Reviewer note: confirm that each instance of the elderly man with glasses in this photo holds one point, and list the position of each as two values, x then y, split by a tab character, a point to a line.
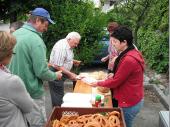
62	58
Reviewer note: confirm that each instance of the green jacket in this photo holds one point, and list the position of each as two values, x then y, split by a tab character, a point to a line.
30	62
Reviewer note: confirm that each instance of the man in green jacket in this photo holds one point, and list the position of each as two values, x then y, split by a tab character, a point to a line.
30	62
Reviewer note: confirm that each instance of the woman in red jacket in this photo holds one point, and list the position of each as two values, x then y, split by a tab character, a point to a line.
127	79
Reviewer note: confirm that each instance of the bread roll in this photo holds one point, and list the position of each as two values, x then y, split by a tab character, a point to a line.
98	75
103	89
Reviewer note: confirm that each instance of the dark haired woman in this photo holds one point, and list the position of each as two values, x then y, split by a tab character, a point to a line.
127	81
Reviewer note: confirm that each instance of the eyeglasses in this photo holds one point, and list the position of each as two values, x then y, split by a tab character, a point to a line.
76	43
10	54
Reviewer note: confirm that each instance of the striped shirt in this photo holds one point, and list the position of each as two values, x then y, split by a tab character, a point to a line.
112	53
62	55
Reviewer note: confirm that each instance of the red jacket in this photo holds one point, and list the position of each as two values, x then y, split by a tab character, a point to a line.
127	83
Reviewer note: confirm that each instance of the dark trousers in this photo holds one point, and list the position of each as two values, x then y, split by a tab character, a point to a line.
57	92
74	83
114	102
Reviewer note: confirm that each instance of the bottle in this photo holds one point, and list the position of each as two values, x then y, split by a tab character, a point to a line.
102	104
97	101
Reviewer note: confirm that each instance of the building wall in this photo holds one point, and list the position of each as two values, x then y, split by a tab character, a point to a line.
107	5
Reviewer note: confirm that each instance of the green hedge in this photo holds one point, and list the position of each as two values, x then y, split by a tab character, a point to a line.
154	46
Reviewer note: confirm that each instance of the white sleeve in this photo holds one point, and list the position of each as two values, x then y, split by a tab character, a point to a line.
58	56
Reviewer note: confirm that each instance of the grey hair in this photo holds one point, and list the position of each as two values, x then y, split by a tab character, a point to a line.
16	25
32	18
73	35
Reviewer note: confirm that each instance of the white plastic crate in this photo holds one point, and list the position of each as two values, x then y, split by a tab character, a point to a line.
164	119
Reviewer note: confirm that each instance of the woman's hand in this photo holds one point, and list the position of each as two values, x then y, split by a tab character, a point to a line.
104	59
110	75
94	84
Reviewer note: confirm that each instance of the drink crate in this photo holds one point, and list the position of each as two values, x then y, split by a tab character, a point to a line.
58	112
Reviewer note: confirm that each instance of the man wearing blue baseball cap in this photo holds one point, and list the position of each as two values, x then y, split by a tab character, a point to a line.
43	13
30	62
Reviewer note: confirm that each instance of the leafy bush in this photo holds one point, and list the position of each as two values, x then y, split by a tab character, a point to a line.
154	46
149	21
153	37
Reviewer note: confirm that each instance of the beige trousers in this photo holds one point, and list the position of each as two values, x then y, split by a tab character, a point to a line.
37	118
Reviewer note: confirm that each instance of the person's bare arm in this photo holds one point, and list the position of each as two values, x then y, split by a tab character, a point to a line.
104	59
70	74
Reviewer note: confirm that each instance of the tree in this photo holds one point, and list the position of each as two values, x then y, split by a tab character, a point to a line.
17	9
154	37
149	21
131	13
70	15
80	16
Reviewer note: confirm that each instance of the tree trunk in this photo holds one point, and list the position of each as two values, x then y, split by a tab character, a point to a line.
13	14
13	17
135	34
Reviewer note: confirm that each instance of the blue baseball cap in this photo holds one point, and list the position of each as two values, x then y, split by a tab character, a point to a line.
42	12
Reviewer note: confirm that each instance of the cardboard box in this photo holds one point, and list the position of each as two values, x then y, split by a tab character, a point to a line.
58	112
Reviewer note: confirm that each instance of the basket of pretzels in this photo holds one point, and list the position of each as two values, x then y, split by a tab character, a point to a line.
86	117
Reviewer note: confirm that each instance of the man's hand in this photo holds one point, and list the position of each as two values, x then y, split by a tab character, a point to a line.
59	75
76	63
73	76
79	77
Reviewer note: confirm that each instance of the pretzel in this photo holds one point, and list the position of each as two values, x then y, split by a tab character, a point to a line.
103	89
82	120
111	119
100	119
57	123
114	121
66	119
92	124
115	113
87	115
73	123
